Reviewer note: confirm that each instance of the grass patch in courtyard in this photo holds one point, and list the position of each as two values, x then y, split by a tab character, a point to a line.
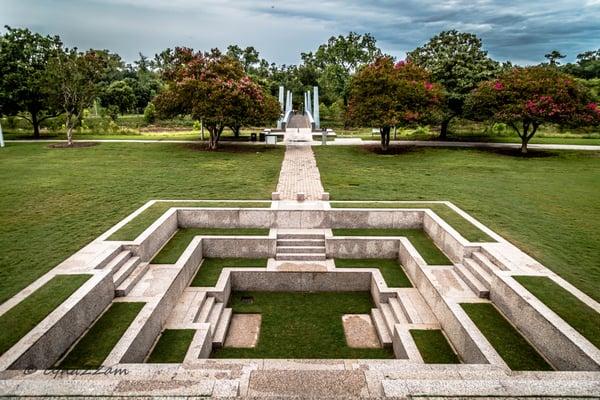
434	346
302	325
211	268
419	239
97	343
55	201
576	313
171	251
141	222
25	315
172	346
546	204
392	271
455	220
508	342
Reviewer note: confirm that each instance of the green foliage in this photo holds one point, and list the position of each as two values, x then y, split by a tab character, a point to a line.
197	125
119	95
150	113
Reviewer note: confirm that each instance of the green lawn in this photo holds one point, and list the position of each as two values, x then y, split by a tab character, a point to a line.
54	201
25	315
579	315
419	239
172	346
546	204
171	252
391	270
508	342
434	346
139	224
98	342
302	325
211	268
462	226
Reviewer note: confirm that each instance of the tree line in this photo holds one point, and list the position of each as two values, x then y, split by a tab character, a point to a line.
40	79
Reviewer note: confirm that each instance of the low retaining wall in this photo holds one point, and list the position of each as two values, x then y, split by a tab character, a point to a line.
445	237
245	247
355	281
155	236
361	247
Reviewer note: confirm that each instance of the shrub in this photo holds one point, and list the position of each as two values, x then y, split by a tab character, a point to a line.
150	113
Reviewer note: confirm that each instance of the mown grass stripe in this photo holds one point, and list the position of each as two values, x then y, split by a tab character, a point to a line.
172	346
434	346
211	268
392	271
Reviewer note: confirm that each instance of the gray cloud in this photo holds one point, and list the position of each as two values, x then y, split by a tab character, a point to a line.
280	29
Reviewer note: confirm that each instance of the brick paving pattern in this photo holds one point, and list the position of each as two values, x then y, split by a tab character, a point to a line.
299	173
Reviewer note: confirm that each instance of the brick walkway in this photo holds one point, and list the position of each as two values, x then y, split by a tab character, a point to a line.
299	173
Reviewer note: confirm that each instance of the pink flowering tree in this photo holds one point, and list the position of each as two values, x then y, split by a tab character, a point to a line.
384	95
214	88
526	98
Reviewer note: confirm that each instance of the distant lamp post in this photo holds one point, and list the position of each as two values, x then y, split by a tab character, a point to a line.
1	136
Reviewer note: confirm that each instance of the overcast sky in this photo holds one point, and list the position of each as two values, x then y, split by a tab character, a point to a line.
522	31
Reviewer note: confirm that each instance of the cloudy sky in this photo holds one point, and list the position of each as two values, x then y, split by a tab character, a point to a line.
522	31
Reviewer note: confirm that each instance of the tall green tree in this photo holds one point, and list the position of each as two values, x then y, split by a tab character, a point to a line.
526	98
24	58
384	95
458	62
553	57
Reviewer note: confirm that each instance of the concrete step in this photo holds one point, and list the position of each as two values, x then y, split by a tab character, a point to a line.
215	315
300	249
194	308
204	311
118	260
476	286
134	277
380	327
478	271
300	242
301	257
388	316
416	308
125	270
398	310
222	327
485	262
300	236
498	263
105	257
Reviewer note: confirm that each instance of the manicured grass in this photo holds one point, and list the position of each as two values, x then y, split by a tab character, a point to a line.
54	201
25	315
139	224
210	269
391	270
419	239
546	204
434	346
577	314
462	226
171	252
172	346
98	342
508	342
302	325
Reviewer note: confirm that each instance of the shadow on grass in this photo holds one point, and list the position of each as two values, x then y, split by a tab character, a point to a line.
230	148
394	150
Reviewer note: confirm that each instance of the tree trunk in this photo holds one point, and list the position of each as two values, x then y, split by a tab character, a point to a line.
69	126
36	125
444	128
236	131
524	142
385	138
213	139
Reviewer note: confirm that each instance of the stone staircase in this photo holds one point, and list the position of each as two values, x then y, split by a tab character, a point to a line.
301	246
477	272
407	308
127	271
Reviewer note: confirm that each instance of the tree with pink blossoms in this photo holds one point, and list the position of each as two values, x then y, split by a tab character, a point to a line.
526	98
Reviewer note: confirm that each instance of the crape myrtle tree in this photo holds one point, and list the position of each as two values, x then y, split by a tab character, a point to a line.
385	95
74	82
457	61
214	88
24	58
525	98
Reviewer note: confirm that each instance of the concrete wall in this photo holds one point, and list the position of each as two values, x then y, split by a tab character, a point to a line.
155	236
445	237
44	345
361	247
354	281
564	348
245	247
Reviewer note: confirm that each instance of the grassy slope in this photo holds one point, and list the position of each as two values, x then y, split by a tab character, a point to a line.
434	346
419	239
508	342
391	270
172	346
210	270
171	252
581	317
303	325
547	205
97	343
54	201
23	317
